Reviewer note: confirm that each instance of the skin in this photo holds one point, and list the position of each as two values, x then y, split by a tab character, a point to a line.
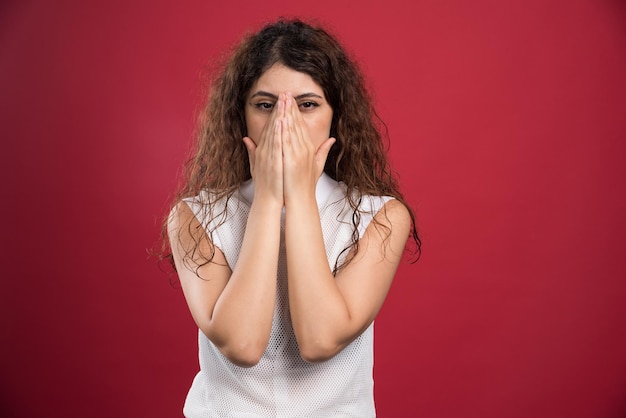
288	121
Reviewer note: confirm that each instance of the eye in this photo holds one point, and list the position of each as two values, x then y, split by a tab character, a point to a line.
308	105
266	106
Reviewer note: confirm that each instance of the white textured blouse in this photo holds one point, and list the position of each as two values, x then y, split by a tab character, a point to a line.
282	384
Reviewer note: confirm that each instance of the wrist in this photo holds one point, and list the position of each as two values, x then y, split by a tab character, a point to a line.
267	203
301	199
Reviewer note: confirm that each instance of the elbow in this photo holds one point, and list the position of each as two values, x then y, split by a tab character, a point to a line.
318	352
244	354
241	359
240	352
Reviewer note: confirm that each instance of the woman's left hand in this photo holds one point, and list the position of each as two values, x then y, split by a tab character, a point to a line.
303	163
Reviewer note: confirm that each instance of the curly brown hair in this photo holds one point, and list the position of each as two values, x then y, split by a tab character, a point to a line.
358	158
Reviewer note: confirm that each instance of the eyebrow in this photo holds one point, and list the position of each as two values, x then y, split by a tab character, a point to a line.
262	93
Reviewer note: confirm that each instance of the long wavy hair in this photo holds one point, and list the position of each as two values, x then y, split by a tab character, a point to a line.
219	161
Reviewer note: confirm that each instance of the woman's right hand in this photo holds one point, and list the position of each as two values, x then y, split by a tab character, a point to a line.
266	157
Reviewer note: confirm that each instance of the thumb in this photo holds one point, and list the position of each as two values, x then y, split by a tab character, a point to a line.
323	150
251	147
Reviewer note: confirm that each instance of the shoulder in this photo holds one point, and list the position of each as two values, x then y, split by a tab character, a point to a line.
387	233
183	229
394	213
208	205
180	213
384	212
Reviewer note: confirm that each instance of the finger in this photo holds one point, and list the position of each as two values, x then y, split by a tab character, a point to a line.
291	114
251	147
288	125
276	142
323	150
299	125
270	124
282	102
249	143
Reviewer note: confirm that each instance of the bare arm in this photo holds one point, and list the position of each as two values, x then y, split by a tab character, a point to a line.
329	312
234	309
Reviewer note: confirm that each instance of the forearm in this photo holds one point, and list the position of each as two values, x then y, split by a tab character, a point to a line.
319	313
242	318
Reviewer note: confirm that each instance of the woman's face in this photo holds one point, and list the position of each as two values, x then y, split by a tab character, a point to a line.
315	110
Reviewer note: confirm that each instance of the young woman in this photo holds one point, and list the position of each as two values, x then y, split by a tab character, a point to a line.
287	232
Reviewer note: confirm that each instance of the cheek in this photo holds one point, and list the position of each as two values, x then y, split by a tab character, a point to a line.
319	129
254	126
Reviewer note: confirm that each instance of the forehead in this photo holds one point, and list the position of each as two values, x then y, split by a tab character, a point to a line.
280	79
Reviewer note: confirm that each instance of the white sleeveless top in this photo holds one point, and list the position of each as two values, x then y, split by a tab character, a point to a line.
282	384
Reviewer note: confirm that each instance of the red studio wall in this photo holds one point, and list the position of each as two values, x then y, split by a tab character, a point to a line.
507	123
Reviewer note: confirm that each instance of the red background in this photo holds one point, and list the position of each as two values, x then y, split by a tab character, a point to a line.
507	125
